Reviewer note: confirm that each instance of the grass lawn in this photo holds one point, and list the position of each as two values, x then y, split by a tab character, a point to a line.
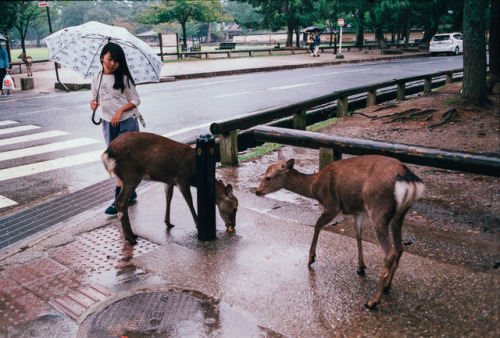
35	53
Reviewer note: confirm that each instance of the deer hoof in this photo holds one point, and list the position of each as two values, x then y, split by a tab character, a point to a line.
371	305
131	241
360	272
169	225
387	289
312	259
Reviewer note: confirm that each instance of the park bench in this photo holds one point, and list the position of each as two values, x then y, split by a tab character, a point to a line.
226	45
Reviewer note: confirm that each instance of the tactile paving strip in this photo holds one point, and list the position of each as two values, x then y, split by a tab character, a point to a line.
156	314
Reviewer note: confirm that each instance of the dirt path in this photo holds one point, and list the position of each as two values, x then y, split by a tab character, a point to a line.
458	219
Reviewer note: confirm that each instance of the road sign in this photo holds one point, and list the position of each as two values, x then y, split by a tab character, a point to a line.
42	3
341	22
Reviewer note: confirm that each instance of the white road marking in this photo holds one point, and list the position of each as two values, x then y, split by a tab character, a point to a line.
37	150
293	86
17	129
208	83
341	72
5	202
40	167
233	94
31	137
5	123
180	131
43	111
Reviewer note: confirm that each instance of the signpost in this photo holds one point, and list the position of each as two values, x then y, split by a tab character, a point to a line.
341	24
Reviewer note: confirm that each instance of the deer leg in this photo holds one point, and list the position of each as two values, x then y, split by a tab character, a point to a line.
396	227
121	204
186	192
169	190
323	220
381	230
359	229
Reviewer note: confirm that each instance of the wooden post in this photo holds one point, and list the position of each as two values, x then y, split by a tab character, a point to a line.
427	85
449	78
371	98
401	91
325	157
342	106
299	120
27	83
229	148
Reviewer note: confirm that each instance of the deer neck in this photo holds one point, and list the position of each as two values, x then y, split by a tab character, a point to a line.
300	183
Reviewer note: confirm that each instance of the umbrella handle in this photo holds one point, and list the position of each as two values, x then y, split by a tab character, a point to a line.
93	121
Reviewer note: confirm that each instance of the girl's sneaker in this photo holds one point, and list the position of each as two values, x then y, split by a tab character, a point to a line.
111	210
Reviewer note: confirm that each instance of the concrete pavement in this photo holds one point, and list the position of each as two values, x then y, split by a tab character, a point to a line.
80	278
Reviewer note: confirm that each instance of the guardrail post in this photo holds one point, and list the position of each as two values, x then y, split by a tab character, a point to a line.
371	98
327	156
229	148
342	106
401	91
205	185
299	120
427	85
449	78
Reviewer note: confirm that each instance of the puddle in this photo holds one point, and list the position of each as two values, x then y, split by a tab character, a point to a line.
172	314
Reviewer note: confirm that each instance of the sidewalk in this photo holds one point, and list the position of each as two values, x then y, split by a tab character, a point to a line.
45	77
80	278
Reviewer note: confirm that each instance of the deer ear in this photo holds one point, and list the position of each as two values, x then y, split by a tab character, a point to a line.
280	155
229	190
289	164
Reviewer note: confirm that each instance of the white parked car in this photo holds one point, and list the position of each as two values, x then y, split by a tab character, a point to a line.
449	43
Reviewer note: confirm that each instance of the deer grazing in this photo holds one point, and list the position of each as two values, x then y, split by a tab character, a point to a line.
134	156
381	186
28	61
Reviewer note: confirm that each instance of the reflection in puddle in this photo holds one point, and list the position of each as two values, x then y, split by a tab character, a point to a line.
174	314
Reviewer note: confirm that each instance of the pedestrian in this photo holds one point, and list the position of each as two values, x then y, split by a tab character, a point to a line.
117	99
316	42
4	66
311	43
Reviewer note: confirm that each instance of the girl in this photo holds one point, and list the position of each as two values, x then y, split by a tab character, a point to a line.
118	98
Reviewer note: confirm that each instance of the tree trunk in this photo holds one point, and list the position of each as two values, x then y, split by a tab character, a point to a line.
495	39
289	25
474	83
379	34
209	32
184	38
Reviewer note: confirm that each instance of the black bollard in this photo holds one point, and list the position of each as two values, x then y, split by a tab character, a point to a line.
205	183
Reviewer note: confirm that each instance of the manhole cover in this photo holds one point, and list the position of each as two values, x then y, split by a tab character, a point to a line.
159	313
172	314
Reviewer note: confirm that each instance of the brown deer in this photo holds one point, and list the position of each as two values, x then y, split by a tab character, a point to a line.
28	61
381	186
134	156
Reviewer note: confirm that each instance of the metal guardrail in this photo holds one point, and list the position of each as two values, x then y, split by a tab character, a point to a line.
227	129
426	156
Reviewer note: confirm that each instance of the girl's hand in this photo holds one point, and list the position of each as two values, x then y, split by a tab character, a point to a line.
115	121
94	105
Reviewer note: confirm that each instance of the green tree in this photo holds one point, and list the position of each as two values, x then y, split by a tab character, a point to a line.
182	11
8	19
28	14
284	13
474	85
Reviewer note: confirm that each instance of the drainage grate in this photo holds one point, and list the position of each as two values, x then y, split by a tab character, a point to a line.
158	313
19	225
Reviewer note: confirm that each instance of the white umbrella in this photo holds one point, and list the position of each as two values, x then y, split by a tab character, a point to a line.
79	48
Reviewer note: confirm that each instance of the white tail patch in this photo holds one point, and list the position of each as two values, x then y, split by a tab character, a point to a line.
406	193
109	163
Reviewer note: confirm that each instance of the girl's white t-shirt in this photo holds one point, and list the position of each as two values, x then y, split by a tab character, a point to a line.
113	99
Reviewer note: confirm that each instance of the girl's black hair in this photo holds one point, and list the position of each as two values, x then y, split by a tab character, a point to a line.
117	54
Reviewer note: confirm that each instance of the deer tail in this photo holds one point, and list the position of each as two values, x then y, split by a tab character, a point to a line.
407	189
108	161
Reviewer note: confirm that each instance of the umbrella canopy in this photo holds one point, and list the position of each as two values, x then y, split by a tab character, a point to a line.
312	29
79	48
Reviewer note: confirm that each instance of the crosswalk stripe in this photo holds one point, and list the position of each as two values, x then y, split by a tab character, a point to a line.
37	150
40	167
5	202
17	129
7	122
31	137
